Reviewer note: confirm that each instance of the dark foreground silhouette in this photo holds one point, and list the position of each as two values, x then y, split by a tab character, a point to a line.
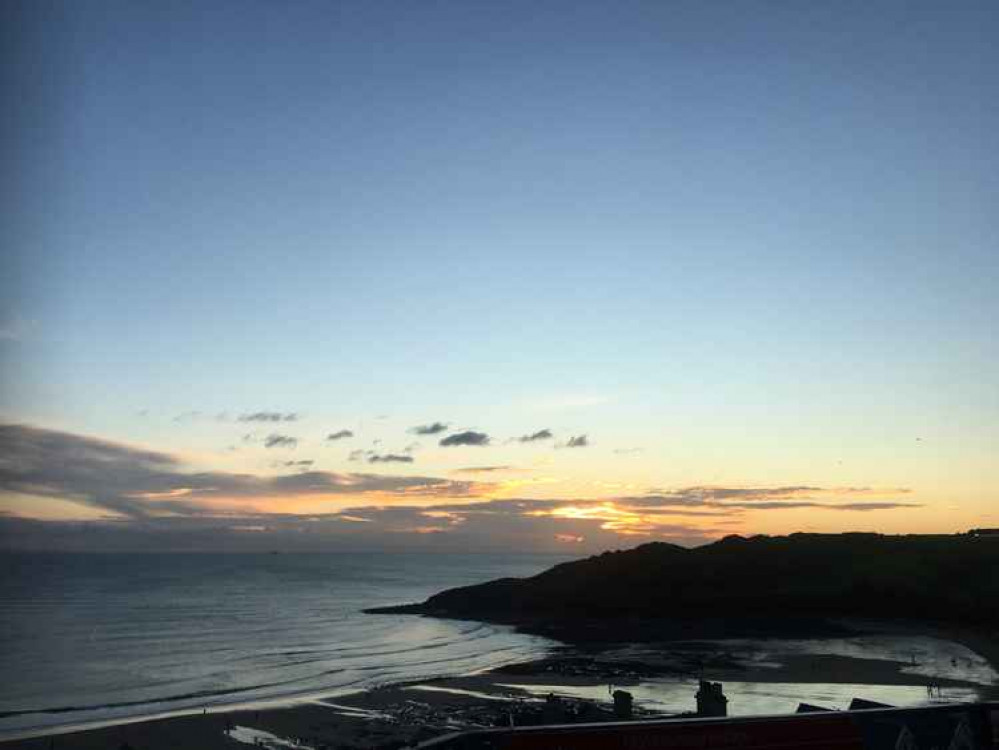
785	586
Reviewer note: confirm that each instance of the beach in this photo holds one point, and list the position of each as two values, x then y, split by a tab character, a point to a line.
892	665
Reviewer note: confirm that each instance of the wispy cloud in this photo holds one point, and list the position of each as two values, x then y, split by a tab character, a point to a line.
535	436
339	435
268	416
151	492
274	440
15	329
468	437
481	469
434	428
738	499
862	507
578	441
389	458
139	483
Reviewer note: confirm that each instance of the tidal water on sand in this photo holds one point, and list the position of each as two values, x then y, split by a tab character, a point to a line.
99	637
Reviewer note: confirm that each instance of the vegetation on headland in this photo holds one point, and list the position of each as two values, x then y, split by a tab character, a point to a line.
743	586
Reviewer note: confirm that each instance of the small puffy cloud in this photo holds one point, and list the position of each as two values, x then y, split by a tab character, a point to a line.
535	436
389	458
275	440
577	441
340	435
355	455
434	428
268	416
468	437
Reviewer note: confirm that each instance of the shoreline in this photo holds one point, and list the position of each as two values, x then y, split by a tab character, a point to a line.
402	714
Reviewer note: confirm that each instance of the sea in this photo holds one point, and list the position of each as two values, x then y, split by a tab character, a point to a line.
92	638
89	639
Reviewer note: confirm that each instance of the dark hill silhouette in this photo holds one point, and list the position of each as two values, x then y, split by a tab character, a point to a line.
757	585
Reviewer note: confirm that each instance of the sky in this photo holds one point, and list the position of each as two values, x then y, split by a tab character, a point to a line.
511	276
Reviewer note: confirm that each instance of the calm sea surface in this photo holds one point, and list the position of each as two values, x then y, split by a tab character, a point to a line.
95	637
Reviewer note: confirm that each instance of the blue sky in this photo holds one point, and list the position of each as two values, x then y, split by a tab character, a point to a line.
752	239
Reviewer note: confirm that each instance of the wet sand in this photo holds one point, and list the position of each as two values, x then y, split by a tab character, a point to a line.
404	715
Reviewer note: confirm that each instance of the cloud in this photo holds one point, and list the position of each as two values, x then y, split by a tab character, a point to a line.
356	455
699	494
268	416
298	463
275	440
578	441
15	329
340	435
539	435
861	507
389	458
482	469
740	499
434	428
469	437
628	451
140	483
152	502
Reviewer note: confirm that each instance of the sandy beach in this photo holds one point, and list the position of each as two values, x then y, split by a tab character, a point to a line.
943	666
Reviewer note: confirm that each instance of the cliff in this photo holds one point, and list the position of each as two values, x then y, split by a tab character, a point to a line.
742	586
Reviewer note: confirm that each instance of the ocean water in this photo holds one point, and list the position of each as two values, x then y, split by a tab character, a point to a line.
90	638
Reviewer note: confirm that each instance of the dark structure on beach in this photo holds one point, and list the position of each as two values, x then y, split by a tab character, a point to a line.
711	701
623	704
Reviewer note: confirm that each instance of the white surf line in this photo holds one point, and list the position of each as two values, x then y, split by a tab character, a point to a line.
258	737
354	711
461	691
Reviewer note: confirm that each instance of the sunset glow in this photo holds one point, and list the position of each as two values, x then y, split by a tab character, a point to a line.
660	292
